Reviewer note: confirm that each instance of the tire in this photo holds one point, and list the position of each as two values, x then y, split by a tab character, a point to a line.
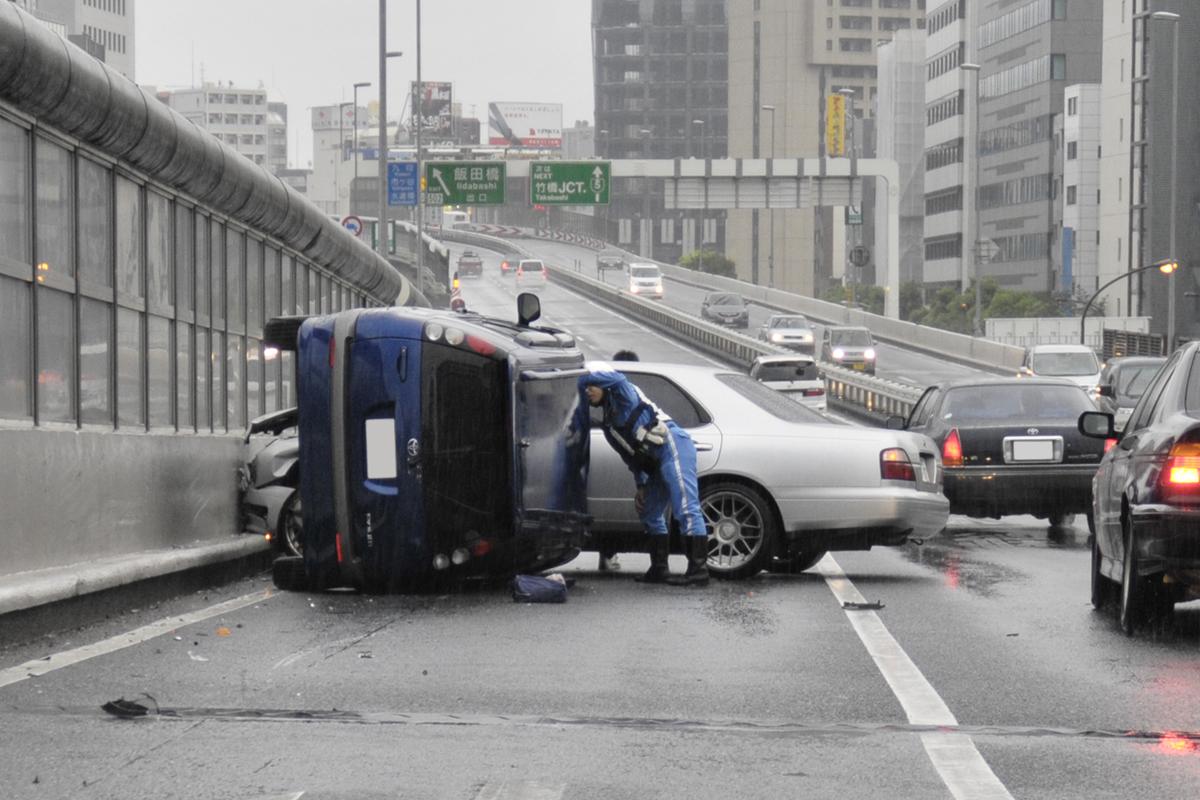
291	527
287	573
741	529
1102	588
1132	609
796	564
1058	519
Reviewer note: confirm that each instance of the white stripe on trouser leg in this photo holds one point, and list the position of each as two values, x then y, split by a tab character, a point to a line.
682	484
954	756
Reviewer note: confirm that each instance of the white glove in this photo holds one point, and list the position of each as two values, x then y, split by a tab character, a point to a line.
656	435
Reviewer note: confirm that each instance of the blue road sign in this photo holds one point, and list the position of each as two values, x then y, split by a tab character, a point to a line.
402	183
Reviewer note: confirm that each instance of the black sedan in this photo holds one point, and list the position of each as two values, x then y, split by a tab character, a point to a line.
725	308
1147	496
1011	446
1122	382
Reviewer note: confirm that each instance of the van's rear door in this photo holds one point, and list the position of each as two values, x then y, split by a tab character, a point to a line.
383	452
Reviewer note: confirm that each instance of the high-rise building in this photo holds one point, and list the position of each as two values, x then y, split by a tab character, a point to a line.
1079	201
948	39
789	57
1028	54
900	136
239	117
277	137
660	69
103	28
1139	97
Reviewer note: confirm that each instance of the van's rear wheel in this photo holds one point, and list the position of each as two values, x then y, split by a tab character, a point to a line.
287	573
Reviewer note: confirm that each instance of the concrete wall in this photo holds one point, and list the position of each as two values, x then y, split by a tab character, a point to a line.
74	496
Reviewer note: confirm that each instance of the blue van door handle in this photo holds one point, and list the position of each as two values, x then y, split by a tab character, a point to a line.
703	446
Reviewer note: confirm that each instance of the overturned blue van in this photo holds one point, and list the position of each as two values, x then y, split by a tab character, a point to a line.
433	445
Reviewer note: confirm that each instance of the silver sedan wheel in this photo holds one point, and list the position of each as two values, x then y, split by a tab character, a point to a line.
736	529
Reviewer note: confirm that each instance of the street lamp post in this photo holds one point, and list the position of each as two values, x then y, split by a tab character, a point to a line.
605	154
341	156
384	146
1167	16
356	87
700	240
970	213
852	238
647	232
1167	268
770	208
420	172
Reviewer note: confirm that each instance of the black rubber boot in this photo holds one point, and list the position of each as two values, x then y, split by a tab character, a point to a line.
660	548
697	568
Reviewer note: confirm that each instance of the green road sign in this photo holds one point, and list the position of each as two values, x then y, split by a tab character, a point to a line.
569	183
464	183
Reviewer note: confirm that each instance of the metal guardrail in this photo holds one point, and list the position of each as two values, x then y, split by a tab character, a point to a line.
875	398
864	395
969	350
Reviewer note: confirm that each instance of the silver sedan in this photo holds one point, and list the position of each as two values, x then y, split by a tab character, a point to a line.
779	484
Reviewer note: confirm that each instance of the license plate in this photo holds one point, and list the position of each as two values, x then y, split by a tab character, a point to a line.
860	366
1033	451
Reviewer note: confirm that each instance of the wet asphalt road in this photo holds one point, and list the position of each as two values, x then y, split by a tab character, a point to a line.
766	688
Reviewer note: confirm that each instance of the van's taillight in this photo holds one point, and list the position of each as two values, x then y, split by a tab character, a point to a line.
1182	470
332	351
895	466
952	455
337	541
813	392
1109	444
481	346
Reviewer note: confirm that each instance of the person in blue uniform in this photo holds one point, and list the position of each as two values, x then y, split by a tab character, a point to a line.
662	458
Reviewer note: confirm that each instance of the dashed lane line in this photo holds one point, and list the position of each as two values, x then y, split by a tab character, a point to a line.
43	666
954	755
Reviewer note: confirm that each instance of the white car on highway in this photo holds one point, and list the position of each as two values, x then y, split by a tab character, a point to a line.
1076	363
645	280
796	376
779	484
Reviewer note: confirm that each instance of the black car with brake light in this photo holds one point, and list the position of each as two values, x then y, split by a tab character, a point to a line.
1011	446
1146	551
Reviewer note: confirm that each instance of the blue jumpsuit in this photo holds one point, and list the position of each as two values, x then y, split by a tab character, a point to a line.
666	472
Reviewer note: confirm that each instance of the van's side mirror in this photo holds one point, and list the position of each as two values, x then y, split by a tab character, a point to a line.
1105	390
894	423
529	308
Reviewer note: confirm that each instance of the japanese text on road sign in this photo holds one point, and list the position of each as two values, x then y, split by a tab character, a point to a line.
464	183
569	183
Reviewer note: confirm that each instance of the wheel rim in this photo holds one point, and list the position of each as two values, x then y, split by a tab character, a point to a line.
735	529
293	528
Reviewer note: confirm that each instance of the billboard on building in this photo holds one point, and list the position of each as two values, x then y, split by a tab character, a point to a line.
835	125
328	118
433	107
532	125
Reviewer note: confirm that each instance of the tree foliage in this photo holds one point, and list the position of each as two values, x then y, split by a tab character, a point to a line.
710	262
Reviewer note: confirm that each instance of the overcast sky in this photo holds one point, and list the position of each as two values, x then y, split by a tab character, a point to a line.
309	52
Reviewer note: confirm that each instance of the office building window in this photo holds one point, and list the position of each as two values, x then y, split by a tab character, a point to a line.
1058	67
1071	195
1072	150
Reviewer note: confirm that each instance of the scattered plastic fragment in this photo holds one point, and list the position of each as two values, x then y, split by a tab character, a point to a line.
1010	635
195	657
365	654
129	708
223	631
850	605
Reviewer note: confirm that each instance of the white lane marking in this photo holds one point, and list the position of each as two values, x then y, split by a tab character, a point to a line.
521	790
42	666
954	756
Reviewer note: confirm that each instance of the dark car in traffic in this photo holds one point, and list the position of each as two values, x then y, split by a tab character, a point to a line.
1146	497
725	308
853	348
1011	446
1122	383
470	265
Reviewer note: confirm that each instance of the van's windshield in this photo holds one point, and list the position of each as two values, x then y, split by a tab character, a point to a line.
644	272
